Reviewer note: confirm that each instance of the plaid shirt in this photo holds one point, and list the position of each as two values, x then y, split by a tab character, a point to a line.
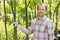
42	30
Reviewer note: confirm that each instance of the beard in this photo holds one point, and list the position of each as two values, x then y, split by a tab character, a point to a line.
41	15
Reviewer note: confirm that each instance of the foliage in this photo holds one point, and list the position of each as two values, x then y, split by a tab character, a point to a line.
21	16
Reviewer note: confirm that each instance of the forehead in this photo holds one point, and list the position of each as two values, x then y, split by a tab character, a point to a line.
41	6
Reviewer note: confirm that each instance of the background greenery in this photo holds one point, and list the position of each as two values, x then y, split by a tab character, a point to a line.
23	12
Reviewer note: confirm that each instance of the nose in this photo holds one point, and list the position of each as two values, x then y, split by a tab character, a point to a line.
40	10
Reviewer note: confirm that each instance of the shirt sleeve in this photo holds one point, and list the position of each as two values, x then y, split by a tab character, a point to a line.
50	30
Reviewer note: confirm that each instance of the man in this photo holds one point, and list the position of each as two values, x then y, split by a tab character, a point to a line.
41	27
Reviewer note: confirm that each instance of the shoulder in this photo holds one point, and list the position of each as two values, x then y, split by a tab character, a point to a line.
49	22
34	20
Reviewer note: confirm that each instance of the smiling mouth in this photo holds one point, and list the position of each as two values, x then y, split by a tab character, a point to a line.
40	12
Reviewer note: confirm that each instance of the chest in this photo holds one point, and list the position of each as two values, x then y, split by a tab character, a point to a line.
40	27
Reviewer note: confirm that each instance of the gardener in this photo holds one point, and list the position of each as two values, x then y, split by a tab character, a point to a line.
41	27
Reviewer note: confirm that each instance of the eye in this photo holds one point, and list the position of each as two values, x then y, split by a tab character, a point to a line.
42	9
39	9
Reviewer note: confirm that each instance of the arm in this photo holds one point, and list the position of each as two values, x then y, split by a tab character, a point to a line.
26	31
50	30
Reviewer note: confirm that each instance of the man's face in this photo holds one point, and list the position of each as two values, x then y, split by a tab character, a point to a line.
41	10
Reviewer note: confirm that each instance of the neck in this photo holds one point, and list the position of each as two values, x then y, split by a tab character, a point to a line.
40	17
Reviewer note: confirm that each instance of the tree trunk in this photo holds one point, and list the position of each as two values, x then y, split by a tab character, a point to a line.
27	38
14	14
57	20
35	10
13	7
56	24
50	9
5	22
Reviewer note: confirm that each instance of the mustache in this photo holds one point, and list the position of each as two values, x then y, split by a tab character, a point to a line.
40	12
